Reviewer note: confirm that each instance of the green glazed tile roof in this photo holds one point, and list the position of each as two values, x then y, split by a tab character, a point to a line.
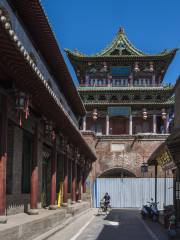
120	47
130	89
169	102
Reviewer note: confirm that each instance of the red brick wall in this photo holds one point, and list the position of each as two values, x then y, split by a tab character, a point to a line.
131	160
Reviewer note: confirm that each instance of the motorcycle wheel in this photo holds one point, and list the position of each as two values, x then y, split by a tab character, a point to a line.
155	218
143	216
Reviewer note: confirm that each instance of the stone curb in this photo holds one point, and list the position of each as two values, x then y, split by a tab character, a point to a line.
68	220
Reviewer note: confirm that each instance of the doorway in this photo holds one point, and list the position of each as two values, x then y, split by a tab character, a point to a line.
119	125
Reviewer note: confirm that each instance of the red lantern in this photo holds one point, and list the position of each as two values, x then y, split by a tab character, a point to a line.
105	66
94	114
164	114
144	113
22	105
136	67
151	67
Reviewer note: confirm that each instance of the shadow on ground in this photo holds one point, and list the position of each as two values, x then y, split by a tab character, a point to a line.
126	225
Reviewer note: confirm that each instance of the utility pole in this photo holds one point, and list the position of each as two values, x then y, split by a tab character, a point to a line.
156	182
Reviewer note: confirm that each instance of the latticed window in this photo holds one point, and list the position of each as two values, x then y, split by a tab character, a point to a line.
114	98
26	162
125	98
90	97
10	146
137	97
148	97
102	97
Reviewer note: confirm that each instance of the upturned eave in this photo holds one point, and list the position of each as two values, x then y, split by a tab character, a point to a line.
151	57
38	26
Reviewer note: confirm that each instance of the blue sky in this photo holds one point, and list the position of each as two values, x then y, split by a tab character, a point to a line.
89	25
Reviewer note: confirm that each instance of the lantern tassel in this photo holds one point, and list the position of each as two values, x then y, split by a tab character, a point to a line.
27	109
20	120
53	135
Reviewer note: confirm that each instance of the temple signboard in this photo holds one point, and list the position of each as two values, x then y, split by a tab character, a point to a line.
120	70
164	158
119	111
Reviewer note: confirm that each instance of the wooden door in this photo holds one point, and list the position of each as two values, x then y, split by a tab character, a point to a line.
118	125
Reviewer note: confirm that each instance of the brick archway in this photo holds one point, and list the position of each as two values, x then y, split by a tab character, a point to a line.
116	172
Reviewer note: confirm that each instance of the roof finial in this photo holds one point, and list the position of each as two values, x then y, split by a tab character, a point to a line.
121	30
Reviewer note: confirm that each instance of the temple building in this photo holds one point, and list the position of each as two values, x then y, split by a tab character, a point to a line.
128	105
44	159
123	87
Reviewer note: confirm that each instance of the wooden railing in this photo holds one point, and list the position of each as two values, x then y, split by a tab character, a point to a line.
111	85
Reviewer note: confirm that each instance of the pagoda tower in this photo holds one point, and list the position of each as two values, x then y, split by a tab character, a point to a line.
126	101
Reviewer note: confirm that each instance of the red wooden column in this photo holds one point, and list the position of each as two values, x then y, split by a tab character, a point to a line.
34	175
65	184
79	182
84	177
74	178
3	157
53	206
84	182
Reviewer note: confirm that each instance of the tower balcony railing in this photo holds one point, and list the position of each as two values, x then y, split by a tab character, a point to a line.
138	136
125	86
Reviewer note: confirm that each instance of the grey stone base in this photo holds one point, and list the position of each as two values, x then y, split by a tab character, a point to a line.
79	201
3	219
64	204
53	207
33	226
77	208
73	202
33	211
28	228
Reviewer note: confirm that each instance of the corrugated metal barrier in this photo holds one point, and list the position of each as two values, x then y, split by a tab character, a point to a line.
133	192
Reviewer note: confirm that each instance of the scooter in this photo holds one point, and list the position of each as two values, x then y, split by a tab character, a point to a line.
150	211
145	212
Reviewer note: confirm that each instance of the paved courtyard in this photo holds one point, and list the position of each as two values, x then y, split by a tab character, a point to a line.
119	224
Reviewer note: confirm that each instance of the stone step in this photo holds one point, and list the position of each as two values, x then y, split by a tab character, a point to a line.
28	227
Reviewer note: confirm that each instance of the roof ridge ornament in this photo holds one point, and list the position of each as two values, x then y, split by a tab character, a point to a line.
121	30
